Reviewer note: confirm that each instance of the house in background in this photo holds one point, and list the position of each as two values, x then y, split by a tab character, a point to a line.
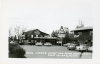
60	33
84	35
34	36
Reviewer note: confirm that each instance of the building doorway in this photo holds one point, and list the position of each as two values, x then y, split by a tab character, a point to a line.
52	42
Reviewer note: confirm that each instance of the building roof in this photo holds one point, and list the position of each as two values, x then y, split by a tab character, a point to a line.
83	28
39	31
32	32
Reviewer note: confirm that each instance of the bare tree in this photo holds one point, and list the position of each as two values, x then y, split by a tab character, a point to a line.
23	29
19	30
10	29
10	35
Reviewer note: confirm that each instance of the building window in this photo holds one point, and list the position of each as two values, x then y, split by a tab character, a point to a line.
46	36
23	36
91	32
80	33
31	36
41	36
76	36
36	35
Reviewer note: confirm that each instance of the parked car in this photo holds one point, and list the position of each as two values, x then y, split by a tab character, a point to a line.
47	44
90	49
82	47
66	44
71	47
12	42
38	44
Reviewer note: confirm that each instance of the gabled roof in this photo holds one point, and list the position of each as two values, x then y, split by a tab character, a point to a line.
29	33
83	28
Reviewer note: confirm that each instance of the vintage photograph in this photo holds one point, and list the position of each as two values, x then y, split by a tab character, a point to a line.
52	29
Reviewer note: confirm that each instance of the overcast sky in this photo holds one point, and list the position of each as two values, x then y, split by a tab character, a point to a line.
49	15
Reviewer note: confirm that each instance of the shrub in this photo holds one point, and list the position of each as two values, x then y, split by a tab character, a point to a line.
18	51
11	46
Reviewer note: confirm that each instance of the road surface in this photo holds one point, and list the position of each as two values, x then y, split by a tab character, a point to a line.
33	51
